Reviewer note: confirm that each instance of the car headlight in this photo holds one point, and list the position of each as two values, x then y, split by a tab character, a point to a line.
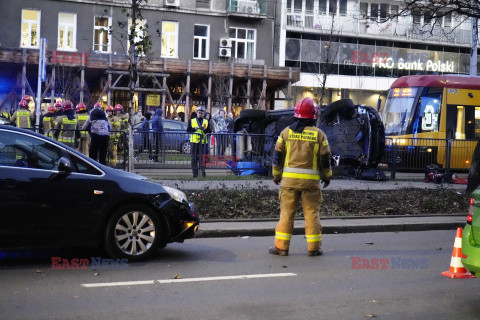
176	194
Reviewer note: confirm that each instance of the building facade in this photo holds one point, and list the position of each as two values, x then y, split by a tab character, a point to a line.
204	52
363	49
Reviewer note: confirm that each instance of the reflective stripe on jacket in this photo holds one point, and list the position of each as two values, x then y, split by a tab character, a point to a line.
195	137
22	119
301	167
67	129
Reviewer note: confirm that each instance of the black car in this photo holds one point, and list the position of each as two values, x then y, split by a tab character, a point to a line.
52	195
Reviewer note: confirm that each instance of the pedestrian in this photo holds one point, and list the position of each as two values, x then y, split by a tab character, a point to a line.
221	131
157	128
66	125
137	118
99	128
22	118
199	127
300	160
146	128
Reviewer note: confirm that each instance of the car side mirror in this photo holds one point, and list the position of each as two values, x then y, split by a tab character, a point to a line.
65	166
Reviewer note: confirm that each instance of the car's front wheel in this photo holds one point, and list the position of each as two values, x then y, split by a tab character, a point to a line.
133	232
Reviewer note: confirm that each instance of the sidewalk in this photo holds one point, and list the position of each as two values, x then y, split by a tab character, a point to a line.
259	228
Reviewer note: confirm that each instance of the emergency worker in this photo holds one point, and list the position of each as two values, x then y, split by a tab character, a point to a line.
123	127
5	114
48	121
22	118
58	109
199	127
97	105
66	125
114	134
83	143
301	158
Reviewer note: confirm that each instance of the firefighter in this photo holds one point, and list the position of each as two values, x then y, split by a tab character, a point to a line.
97	105
199	148
123	127
48	121
22	118
5	114
58	109
66	125
113	141
301	158
83	143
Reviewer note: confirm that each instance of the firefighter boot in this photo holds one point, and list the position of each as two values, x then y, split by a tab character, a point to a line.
278	252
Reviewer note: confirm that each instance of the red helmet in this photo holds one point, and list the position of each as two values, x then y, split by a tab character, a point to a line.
81	107
109	108
51	109
23	104
27	98
67	105
58	104
306	108
118	107
97	105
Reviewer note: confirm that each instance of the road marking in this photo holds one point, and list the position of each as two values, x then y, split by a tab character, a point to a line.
138	283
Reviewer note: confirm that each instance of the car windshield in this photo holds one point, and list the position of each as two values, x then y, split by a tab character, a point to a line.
398	111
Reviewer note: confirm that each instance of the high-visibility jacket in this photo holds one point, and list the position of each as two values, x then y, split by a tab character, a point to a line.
48	123
5	114
67	129
22	119
125	117
306	158
116	124
198	134
82	118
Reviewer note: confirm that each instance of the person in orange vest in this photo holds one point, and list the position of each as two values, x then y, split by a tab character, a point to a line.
199	127
48	121
83	143
300	160
22	118
66	125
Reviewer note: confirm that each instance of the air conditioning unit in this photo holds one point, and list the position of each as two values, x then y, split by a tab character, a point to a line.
248	6
172	3
225	43
224	52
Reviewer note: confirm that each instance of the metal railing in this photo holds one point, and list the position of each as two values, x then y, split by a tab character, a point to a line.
415	154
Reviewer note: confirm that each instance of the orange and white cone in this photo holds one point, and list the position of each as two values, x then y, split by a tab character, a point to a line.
457	270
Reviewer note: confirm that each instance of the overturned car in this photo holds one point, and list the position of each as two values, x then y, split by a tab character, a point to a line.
356	136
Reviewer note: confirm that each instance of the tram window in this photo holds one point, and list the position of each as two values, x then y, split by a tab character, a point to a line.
466	124
477	122
429	114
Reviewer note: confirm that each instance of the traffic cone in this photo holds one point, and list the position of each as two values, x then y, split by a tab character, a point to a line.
457	270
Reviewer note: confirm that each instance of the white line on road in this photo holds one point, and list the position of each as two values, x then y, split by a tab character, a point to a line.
137	283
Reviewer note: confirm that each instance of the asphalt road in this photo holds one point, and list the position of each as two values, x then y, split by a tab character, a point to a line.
334	286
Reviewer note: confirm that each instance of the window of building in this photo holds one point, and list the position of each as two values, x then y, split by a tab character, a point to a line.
243	43
169	39
416	17
309	6
332	7
363	10
201	35
447	20
394	12
67	28
140	33
383	12
297	5
322	6
374	11
101	37
204	4
342	7
30	37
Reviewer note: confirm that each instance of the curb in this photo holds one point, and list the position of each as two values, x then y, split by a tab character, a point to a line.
221	233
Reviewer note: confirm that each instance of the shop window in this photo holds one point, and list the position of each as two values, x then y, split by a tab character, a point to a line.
67	31
30	33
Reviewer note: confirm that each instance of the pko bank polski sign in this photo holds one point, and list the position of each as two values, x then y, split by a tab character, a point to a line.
401	64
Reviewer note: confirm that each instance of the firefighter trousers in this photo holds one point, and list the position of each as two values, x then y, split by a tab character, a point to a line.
311	203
